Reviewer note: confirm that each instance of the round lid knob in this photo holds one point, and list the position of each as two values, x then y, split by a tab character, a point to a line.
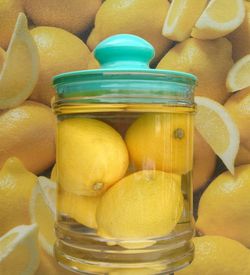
124	51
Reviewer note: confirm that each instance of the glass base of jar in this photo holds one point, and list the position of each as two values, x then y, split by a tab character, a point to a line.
88	254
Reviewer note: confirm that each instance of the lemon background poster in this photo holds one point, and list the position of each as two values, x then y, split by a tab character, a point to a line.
43	38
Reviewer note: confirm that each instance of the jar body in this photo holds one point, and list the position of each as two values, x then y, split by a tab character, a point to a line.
124	176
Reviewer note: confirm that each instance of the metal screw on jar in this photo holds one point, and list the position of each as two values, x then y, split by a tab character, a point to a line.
124	162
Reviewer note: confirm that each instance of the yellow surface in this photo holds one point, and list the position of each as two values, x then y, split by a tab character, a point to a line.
224	208
218	129
181	18
238	77
219	19
74	16
143	204
204	161
153	142
80	208
2	58
21	68
53	175
139	17
28	132
19	252
216	255
238	106
92	156
49	266
9	10
16	184
240	38
210	61
59	51
42	208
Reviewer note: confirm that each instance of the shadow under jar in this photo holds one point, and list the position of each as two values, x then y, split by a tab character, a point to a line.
124	164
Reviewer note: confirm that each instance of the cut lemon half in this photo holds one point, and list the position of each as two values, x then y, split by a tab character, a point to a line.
43	212
181	18
238	77
21	68
219	18
218	129
19	252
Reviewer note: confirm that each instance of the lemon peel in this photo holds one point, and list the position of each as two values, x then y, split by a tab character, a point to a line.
125	210
224	207
16	184
99	147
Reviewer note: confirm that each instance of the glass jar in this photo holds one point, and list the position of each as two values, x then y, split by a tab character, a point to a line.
124	164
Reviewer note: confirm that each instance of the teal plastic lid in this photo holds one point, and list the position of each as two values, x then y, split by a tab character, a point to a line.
125	75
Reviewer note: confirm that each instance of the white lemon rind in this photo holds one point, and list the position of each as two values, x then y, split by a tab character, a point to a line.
20	31
169	31
41	189
230	81
207	24
23	235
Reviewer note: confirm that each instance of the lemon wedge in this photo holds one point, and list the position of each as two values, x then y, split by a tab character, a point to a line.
19	252
218	129
43	212
21	68
219	18
238	77
181	18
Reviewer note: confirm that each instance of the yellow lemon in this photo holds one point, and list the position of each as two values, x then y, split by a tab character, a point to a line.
16	185
238	106
28	132
42	209
139	17
19	253
217	127
181	18
93	64
215	255
238	77
59	51
224	208
143	204
92	156
74	16
219	18
243	156
210	61
240	38
204	161
9	10
162	142
80	208
21	68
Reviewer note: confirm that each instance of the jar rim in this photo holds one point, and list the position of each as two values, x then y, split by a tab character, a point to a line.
98	74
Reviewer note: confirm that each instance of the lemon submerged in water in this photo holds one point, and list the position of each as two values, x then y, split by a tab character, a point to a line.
92	156
143	204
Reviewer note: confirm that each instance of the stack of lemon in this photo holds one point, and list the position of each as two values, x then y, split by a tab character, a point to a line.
102	195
